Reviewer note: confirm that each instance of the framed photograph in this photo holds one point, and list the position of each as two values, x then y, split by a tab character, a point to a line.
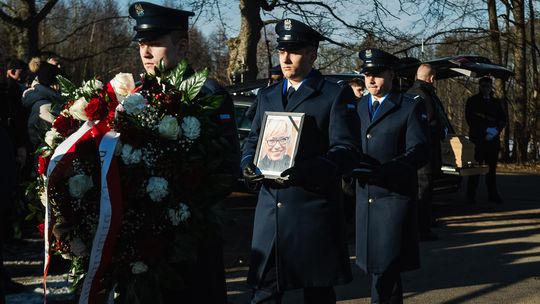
278	142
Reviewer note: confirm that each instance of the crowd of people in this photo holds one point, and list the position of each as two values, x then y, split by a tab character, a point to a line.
385	142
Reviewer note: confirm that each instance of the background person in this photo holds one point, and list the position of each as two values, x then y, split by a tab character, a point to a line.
298	234
162	34
423	87
394	147
358	86
39	101
486	119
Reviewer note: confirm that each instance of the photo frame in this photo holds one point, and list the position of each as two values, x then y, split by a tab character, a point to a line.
278	142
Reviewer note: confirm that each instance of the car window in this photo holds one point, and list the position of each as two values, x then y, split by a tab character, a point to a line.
242	122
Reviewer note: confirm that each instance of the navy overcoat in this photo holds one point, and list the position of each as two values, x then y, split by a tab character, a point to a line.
305	224
386	213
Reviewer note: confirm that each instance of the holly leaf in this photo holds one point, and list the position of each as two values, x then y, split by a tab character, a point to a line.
192	86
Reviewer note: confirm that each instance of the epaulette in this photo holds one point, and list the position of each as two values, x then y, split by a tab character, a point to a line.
412	98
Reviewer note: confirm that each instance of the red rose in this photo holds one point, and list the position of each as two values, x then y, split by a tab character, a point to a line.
65	125
41	228
43	164
96	109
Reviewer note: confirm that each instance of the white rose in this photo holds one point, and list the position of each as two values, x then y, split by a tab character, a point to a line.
191	127
169	128
78	247
157	188
131	156
138	267
134	104
77	109
123	84
92	85
79	184
178	216
52	137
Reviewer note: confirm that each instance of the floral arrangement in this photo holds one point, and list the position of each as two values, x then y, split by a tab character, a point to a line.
139	167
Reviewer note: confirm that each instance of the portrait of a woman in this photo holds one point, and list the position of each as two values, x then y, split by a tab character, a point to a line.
277	137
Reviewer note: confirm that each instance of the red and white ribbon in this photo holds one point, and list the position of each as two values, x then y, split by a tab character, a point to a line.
110	213
65	148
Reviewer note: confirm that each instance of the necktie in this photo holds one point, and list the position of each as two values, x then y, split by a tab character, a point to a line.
290	92
374	107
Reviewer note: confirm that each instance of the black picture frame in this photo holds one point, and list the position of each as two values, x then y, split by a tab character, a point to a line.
278	142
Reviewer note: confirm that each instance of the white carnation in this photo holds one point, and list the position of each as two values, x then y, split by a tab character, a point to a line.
179	216
169	128
157	188
191	127
138	267
130	155
43	197
134	104
79	184
78	247
52	137
77	109
122	84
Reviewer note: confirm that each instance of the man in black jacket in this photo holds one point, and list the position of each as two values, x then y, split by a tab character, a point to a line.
423	87
486	119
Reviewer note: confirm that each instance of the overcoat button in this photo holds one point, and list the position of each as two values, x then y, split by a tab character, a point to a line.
368	136
371	200
279	205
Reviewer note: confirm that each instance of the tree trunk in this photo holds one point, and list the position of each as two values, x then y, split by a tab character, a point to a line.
500	88
520	60
243	49
535	80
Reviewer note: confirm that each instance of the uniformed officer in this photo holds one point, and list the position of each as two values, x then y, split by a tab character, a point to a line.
423	87
486	119
394	146
298	239
162	34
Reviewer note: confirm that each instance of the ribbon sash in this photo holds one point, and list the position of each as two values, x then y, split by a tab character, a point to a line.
109	219
67	146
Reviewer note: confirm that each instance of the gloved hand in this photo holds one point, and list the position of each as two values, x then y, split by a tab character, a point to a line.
491	133
252	174
290	177
367	173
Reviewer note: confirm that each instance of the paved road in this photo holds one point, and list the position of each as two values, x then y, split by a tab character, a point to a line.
487	254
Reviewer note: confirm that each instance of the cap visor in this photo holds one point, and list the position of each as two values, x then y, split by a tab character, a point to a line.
290	46
141	36
374	69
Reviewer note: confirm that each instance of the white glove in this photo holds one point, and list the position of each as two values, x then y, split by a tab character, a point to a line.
491	133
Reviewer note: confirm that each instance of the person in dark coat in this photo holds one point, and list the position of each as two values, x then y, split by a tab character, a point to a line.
394	146
162	34
298	234
39	101
486	119
423	87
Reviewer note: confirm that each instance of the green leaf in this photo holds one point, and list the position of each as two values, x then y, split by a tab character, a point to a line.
192	86
66	86
175	76
211	102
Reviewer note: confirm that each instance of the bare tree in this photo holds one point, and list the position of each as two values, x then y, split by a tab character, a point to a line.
24	17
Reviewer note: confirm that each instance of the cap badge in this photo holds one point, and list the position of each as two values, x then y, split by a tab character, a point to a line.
287	24
368	53
139	10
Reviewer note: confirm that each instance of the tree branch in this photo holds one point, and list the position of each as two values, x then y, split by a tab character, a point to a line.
80	28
